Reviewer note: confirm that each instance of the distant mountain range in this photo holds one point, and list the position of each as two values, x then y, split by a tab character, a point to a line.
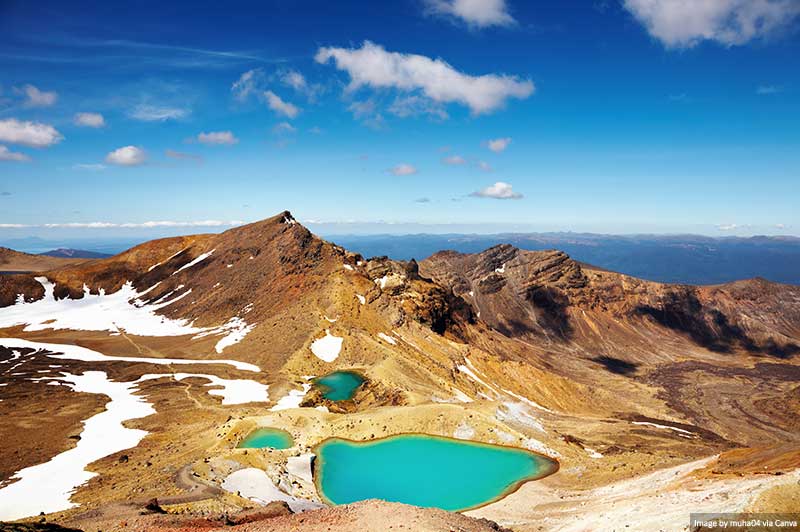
75	254
687	259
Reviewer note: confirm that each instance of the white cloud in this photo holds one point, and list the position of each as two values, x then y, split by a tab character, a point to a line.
154	113
367	112
454	160
33	134
372	66
404	169
217	137
498	145
127	156
283	127
499	190
765	90
172	154
280	106
38	98
415	105
478	13
247	84
483	165
90	167
128	225
89	120
8	155
685	23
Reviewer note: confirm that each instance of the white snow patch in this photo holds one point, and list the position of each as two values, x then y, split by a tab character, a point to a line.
472	373
156	265
592	453
387	338
361	299
48	487
238	329
348	267
233	392
254	484
536	445
197	260
122	310
300	466
464	431
292	399
516	412
328	347
471	293
656	425
331	320
501	269
534	404
74	352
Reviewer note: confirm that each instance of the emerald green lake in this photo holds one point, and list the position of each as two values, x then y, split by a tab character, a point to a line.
267	437
423	470
339	385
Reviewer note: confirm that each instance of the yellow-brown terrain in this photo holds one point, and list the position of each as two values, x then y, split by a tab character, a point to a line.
655	399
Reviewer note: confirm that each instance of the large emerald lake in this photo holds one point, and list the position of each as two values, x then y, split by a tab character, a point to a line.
339	385
423	470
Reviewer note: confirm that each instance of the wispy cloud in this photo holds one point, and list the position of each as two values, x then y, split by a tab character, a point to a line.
217	137
93	167
765	90
499	190
95	120
454	160
180	155
283	128
155	113
484	166
403	169
280	106
8	155
126	225
498	145
34	97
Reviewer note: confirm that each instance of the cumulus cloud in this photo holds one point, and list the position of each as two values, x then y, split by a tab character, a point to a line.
8	155
155	113
33	134
477	13
499	190
217	137
38	98
498	145
685	23
127	156
454	160
372	66
404	169
277	104
89	120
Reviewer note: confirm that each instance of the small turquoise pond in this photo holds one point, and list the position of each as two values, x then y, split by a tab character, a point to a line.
339	385
267	437
424	470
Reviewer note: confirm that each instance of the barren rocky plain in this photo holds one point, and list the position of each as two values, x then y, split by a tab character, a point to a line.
127	383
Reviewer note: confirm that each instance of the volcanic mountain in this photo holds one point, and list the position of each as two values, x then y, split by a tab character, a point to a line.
669	394
16	261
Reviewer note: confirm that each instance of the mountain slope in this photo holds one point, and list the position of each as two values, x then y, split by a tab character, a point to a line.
16	261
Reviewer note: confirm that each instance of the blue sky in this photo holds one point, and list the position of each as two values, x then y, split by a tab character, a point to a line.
416	115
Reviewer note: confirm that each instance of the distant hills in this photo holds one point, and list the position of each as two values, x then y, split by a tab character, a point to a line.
687	259
75	254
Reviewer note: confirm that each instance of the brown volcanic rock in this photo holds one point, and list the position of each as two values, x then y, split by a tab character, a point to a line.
17	261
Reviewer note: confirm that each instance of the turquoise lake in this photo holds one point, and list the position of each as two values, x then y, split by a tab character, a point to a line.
340	385
266	437
424	470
